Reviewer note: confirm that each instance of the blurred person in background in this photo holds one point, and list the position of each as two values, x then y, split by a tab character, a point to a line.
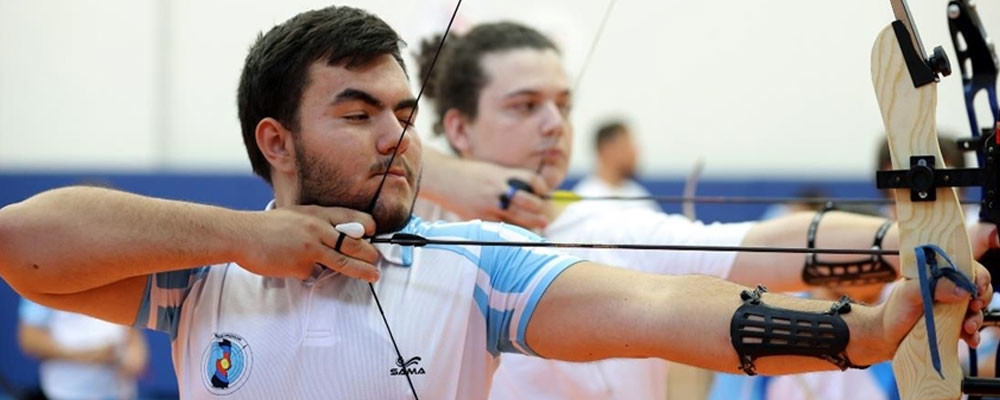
81	357
617	157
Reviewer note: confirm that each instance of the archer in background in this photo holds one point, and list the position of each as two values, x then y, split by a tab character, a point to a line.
518	118
81	357
617	158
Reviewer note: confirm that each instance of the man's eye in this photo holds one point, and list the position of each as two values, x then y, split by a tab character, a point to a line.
405	123
565	108
526	107
356	117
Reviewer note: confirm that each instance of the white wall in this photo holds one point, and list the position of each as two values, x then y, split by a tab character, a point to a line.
776	87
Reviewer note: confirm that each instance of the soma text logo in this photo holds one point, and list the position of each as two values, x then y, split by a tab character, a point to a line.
408	367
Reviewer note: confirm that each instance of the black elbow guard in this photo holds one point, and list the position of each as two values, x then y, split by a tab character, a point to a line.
759	330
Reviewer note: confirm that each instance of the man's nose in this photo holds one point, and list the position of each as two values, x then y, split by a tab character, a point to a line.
553	120
391	137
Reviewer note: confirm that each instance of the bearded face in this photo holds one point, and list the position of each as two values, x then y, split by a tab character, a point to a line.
322	185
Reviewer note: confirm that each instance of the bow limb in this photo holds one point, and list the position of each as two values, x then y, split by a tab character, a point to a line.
908	113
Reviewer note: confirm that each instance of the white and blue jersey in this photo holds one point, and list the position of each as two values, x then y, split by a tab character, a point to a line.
520	377
618	379
452	310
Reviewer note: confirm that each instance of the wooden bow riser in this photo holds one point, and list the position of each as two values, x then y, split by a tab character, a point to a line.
908	113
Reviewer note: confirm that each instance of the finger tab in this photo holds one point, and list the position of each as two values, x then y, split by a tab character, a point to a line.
353	229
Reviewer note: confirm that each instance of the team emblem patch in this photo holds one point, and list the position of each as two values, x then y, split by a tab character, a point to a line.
227	362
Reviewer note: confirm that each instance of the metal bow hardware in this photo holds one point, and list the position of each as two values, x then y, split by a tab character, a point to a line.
977	61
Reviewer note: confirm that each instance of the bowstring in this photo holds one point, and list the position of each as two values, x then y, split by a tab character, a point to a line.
385	175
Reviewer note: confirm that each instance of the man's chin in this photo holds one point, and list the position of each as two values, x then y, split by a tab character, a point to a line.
398	215
553	176
391	223
392	216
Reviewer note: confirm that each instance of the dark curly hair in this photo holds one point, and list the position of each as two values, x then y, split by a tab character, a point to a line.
275	72
458	76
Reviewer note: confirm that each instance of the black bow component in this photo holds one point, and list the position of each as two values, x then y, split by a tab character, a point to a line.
978	64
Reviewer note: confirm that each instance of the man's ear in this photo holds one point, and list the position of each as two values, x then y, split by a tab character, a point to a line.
277	145
456	129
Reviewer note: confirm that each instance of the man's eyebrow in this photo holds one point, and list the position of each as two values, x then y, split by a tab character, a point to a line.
408	103
358	95
522	92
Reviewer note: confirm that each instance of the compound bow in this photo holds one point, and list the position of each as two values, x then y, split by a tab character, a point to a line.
978	64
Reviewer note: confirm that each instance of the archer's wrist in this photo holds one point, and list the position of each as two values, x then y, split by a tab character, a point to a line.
867	344
243	241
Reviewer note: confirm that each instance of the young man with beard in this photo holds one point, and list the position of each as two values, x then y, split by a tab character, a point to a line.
323	100
502	95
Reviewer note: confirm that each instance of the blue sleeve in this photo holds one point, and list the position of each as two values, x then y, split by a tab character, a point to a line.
519	276
513	279
34	314
160	309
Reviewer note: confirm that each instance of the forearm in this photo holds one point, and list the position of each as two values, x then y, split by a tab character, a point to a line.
134	358
438	179
136	346
593	312
783	271
38	343
74	239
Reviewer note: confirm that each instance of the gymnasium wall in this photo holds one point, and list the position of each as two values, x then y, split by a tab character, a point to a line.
776	87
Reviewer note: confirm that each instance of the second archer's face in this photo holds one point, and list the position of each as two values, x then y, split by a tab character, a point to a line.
523	114
350	124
